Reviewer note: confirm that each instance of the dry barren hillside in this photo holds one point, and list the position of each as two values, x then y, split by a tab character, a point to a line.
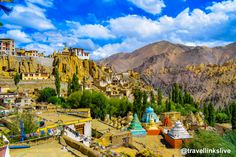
201	70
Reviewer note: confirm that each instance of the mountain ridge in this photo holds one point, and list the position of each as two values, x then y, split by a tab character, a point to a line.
163	63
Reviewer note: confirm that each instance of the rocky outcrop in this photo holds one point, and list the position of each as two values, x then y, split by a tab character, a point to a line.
11	64
67	66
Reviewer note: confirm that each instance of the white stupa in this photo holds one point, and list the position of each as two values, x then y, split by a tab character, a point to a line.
178	132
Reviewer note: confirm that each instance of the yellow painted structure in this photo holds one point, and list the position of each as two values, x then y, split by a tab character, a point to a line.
63	117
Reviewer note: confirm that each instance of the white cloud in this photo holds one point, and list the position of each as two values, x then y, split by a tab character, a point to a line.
57	39
134	26
40	47
127	45
96	31
225	6
9	26
17	35
150	6
194	27
30	16
45	3
187	25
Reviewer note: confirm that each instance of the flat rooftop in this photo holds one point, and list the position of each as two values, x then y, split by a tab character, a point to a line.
53	117
102	127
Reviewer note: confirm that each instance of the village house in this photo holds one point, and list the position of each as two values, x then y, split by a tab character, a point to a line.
31	53
20	52
4	89
106	69
7	99
23	101
7	46
35	76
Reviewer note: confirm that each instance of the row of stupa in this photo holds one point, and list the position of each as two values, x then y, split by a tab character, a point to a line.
174	136
149	119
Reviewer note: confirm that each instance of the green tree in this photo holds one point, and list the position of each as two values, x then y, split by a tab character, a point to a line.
113	106
56	100
206	112
221	117
181	98
138	102
75	86
175	93
159	100
145	97
99	105
17	79
125	107
153	101
211	117
29	121
74	99
46	93
168	105
233	119
86	99
57	82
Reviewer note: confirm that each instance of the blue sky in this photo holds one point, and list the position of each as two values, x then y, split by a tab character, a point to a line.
105	27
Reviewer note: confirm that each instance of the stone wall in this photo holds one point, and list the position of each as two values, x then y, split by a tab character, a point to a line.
80	147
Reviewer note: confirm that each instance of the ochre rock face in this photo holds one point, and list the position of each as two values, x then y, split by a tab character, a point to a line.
11	64
67	67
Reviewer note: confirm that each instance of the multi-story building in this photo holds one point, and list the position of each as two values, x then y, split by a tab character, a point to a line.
35	76
28	53
7	46
31	53
20	52
79	52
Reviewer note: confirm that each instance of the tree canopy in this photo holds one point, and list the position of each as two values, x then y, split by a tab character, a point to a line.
45	94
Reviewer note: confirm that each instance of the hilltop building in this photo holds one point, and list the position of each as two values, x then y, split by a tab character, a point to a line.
28	53
7	46
79	52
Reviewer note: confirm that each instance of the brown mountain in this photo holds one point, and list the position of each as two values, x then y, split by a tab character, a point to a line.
196	68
